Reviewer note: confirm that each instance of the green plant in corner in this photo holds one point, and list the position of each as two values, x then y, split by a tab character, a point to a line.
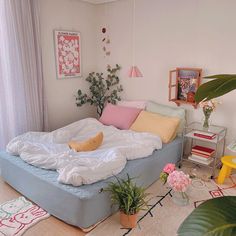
215	217
222	84
130	199
102	89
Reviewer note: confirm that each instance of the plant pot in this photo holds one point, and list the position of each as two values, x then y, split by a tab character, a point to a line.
128	221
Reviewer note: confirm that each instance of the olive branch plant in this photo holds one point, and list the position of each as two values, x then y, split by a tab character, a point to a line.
103	89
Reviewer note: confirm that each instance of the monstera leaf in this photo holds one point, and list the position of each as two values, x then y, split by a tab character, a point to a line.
215	217
221	85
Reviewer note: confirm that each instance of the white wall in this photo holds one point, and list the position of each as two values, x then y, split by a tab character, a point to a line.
170	34
67	15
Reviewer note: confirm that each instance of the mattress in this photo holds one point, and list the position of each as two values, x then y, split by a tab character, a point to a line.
85	205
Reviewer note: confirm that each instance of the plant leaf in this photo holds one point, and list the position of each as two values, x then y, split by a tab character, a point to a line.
215	217
221	85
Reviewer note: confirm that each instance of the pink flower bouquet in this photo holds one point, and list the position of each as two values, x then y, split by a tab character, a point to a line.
178	181
168	169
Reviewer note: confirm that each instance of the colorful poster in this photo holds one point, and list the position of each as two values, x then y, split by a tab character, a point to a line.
68	54
187	84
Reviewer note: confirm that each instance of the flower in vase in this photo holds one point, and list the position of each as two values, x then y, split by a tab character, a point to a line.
178	181
208	107
169	168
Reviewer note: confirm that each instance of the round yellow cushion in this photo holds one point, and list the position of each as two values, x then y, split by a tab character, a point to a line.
88	145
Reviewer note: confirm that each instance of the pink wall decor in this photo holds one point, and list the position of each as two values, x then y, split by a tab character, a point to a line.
135	72
68	54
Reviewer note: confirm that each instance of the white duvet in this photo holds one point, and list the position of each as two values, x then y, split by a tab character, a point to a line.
50	151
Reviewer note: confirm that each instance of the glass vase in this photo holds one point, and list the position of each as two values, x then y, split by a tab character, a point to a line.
206	121
180	198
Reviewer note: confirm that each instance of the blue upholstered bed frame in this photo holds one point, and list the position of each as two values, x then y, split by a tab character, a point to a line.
86	205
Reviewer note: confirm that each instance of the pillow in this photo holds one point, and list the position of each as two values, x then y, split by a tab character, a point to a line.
88	145
119	116
154	123
168	111
134	103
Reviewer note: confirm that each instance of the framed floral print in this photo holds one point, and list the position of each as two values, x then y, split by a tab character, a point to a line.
68	53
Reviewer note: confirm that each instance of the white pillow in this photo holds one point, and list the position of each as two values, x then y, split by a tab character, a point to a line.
133	103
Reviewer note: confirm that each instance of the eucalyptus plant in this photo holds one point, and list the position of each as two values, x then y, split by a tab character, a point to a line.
127	195
103	89
222	84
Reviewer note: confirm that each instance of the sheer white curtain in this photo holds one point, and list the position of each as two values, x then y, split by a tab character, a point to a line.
22	105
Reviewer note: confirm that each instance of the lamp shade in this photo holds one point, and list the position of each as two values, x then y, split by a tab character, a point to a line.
135	72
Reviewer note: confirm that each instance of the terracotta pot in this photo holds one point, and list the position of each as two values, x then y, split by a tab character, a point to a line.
128	221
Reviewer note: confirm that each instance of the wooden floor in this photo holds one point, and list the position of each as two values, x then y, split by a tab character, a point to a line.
49	227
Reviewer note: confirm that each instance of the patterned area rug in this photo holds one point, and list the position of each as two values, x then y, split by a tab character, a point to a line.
17	215
164	216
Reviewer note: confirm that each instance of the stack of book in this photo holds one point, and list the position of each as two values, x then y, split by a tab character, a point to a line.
202	154
206	135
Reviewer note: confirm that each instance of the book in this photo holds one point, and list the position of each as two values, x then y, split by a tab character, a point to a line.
201	155
205	135
202	161
203	150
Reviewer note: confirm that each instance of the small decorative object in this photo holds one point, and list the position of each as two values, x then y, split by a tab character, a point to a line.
102	89
183	84
68	54
190	97
130	199
207	107
106	42
178	181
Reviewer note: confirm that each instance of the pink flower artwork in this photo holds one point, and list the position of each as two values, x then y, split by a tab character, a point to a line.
68	54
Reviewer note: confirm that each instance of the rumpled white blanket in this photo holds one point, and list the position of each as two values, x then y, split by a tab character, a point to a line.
50	151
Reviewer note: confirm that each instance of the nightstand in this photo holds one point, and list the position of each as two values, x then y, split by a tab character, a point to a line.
202	146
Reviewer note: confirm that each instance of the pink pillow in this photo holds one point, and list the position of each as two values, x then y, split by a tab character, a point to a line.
119	116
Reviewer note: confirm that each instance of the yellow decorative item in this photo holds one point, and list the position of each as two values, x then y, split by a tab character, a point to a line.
88	145
154	123
229	162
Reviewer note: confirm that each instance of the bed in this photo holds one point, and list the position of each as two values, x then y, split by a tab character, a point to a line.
85	205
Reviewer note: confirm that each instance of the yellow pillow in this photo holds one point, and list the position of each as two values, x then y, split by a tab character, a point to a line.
88	145
154	123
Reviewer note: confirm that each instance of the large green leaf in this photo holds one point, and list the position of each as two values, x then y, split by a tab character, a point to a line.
215	217
222	84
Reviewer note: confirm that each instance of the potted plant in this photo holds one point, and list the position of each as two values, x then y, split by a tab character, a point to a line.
130	199
102	89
